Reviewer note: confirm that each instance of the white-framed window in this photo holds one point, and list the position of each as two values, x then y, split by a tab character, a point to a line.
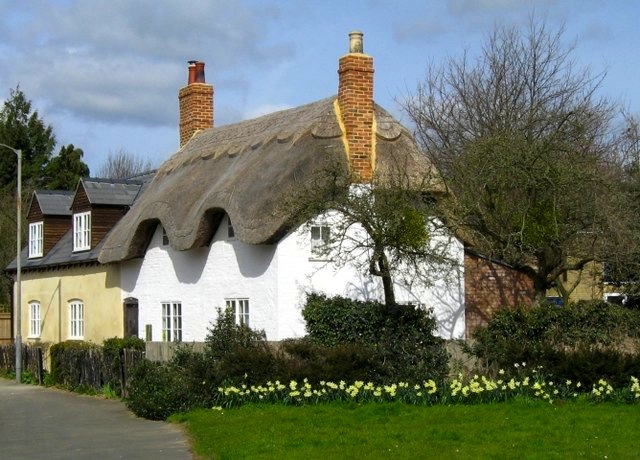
82	231
76	317
34	319
415	303
240	309
320	237
172	321
35	239
615	297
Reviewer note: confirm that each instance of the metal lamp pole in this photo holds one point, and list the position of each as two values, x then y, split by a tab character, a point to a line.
18	305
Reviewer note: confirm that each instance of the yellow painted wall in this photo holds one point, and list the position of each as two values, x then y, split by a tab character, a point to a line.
96	285
590	286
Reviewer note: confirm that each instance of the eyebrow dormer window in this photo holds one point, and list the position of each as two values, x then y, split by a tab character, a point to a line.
35	239
82	231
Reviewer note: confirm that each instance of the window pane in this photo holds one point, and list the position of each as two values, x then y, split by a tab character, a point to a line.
172	322
35	239
34	323
82	231
76	313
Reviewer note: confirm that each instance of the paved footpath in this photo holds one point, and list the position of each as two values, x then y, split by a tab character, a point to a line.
43	423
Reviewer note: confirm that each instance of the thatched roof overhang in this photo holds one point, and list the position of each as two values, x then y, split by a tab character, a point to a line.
249	170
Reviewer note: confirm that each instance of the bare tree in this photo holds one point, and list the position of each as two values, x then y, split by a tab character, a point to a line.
123	164
386	228
528	152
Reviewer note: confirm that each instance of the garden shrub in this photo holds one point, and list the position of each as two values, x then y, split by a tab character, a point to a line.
401	337
304	358
237	352
226	336
76	365
582	341
157	390
112	350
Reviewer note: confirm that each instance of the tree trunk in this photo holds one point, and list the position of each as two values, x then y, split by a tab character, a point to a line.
540	287
387	282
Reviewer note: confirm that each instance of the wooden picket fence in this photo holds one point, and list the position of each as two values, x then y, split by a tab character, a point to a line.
33	359
5	328
87	368
91	368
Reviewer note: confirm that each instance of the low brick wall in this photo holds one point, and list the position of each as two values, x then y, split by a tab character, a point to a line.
489	286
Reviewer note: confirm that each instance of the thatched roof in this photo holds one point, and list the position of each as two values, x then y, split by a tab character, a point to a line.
248	170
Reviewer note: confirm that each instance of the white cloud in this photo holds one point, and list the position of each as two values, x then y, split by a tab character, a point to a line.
123	61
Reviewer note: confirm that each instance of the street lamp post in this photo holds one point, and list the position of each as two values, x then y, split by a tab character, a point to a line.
18	305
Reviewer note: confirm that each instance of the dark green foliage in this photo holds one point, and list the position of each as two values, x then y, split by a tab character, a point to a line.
233	353
23	129
158	391
76	365
237	352
304	358
84	366
588	365
583	342
114	359
226	336
64	170
401	337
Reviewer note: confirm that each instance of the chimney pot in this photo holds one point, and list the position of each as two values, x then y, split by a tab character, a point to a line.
355	42
200	72
196	103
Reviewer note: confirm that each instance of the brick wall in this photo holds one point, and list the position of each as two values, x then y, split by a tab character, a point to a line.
196	109
489	286
355	97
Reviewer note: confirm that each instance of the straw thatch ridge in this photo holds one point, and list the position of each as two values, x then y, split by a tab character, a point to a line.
248	170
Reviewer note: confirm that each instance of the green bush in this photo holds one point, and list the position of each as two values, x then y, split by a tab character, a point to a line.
157	390
304	358
226	337
401	337
76	365
583	341
113	350
237	352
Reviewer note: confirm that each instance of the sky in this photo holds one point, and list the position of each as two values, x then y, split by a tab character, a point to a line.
106	73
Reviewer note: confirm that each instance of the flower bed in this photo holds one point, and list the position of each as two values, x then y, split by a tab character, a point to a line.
462	389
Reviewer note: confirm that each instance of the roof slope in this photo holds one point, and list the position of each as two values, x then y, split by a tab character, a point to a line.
248	170
54	202
117	192
60	255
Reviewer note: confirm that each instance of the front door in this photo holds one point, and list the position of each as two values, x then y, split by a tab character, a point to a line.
131	317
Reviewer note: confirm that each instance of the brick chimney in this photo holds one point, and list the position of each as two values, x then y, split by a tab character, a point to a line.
196	103
355	98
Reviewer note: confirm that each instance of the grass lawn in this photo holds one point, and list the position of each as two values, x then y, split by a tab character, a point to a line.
515	429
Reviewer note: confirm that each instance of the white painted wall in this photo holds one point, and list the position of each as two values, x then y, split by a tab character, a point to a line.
300	273
275	279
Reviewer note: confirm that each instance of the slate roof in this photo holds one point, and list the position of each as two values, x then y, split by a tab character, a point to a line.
60	255
122	192
54	202
117	192
248	170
